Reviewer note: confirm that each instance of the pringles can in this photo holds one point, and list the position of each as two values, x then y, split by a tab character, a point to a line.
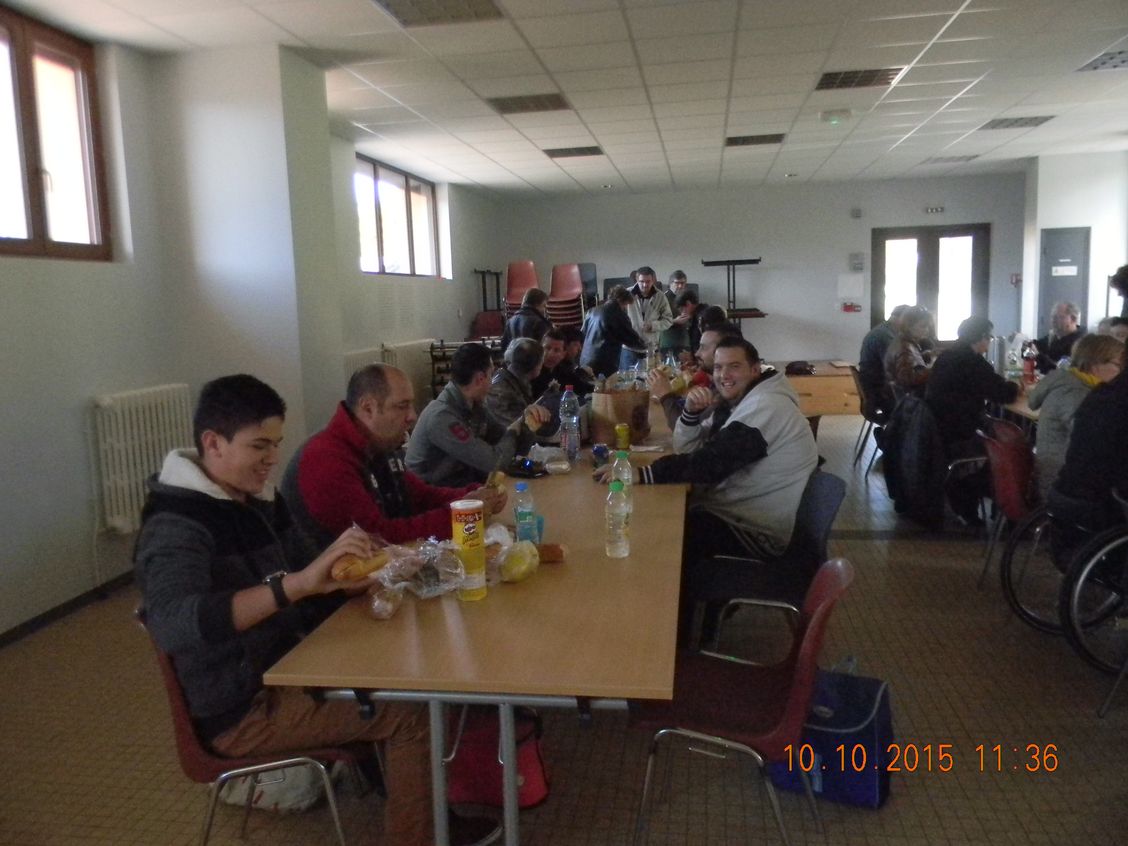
467	530
622	436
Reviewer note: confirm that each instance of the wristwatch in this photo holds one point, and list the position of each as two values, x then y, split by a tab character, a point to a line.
274	582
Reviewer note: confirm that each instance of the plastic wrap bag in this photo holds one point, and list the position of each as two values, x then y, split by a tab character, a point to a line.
519	561
427	569
383	602
498	539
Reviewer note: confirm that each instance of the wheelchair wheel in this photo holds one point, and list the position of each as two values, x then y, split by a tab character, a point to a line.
1030	578
1094	600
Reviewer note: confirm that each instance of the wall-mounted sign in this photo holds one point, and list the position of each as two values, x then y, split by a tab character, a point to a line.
1063	270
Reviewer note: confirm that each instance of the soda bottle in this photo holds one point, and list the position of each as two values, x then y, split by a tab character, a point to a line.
618	513
1029	360
525	513
622	471
570	424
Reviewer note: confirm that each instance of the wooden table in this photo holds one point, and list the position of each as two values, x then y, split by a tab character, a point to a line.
590	627
1021	408
830	390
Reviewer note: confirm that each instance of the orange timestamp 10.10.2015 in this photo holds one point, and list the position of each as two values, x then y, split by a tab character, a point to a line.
927	758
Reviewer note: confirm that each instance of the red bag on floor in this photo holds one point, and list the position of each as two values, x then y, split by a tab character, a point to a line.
474	775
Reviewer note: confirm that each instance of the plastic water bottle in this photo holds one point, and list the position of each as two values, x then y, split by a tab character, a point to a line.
618	522
621	471
570	424
525	513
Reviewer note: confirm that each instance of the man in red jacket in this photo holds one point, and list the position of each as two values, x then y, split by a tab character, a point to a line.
352	471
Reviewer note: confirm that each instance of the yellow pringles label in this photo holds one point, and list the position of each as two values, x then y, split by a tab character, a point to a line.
467	521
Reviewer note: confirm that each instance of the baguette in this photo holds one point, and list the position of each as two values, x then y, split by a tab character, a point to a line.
350	568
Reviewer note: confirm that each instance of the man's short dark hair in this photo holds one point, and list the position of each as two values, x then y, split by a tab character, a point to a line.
534	298
558	333
731	342
687	296
646	270
370	380
679	276
619	294
712	317
1118	321
974	329
572	334
231	403
467	360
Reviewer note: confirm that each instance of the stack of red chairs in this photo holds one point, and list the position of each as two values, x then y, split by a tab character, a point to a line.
566	297
520	276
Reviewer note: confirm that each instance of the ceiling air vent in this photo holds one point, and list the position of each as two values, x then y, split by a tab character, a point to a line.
573	152
753	140
429	12
857	78
950	159
1115	60
1016	123
529	103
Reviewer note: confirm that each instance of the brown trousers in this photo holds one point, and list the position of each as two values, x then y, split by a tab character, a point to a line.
287	720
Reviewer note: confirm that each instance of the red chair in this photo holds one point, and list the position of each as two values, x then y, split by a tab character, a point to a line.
520	276
1010	459
205	767
740	707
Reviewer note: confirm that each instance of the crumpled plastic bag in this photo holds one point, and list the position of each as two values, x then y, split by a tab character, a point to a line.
384	602
428	569
519	561
498	539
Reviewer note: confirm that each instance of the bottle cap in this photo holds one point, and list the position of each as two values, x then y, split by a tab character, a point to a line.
567	387
622	453
617	485
522	486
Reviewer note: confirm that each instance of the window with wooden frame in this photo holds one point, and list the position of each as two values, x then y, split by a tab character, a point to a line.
398	220
53	199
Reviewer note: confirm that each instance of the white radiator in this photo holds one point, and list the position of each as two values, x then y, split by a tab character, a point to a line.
135	430
412	357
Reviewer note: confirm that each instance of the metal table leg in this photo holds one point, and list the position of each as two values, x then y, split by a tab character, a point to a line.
509	772
437	712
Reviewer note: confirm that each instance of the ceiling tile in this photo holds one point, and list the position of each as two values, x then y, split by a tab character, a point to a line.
686	72
615	114
594	80
370	46
698	47
784	64
689	91
513	86
683	19
359	98
223	28
791	39
614	54
428	92
540	8
562	30
462	38
691	107
328	17
608	97
494	65
402	73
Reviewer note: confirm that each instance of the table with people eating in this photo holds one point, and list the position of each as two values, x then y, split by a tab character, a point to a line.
590	626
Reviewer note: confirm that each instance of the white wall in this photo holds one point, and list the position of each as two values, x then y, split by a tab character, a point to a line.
73	330
804	234
1075	191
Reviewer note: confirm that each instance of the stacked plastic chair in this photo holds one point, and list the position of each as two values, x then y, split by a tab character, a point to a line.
520	276
565	297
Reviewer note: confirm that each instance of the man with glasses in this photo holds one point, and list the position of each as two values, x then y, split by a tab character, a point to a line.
457	441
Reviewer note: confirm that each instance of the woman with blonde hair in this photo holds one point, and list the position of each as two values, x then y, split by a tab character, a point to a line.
1093	360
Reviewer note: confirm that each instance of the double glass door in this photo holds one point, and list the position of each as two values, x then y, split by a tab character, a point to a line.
943	268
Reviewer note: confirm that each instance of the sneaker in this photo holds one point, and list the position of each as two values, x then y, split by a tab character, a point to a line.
472	831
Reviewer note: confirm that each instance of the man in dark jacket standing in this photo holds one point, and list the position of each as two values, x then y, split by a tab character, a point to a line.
962	382
608	330
531	319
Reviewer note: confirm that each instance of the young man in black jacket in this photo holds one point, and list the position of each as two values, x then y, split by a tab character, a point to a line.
227	591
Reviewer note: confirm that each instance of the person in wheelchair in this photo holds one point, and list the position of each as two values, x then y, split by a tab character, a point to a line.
1081	499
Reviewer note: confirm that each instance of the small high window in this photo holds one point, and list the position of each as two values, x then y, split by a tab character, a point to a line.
52	184
398	220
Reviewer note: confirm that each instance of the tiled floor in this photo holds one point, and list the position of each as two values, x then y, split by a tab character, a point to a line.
88	757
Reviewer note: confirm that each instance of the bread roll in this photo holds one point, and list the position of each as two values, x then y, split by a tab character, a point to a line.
551	553
350	568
